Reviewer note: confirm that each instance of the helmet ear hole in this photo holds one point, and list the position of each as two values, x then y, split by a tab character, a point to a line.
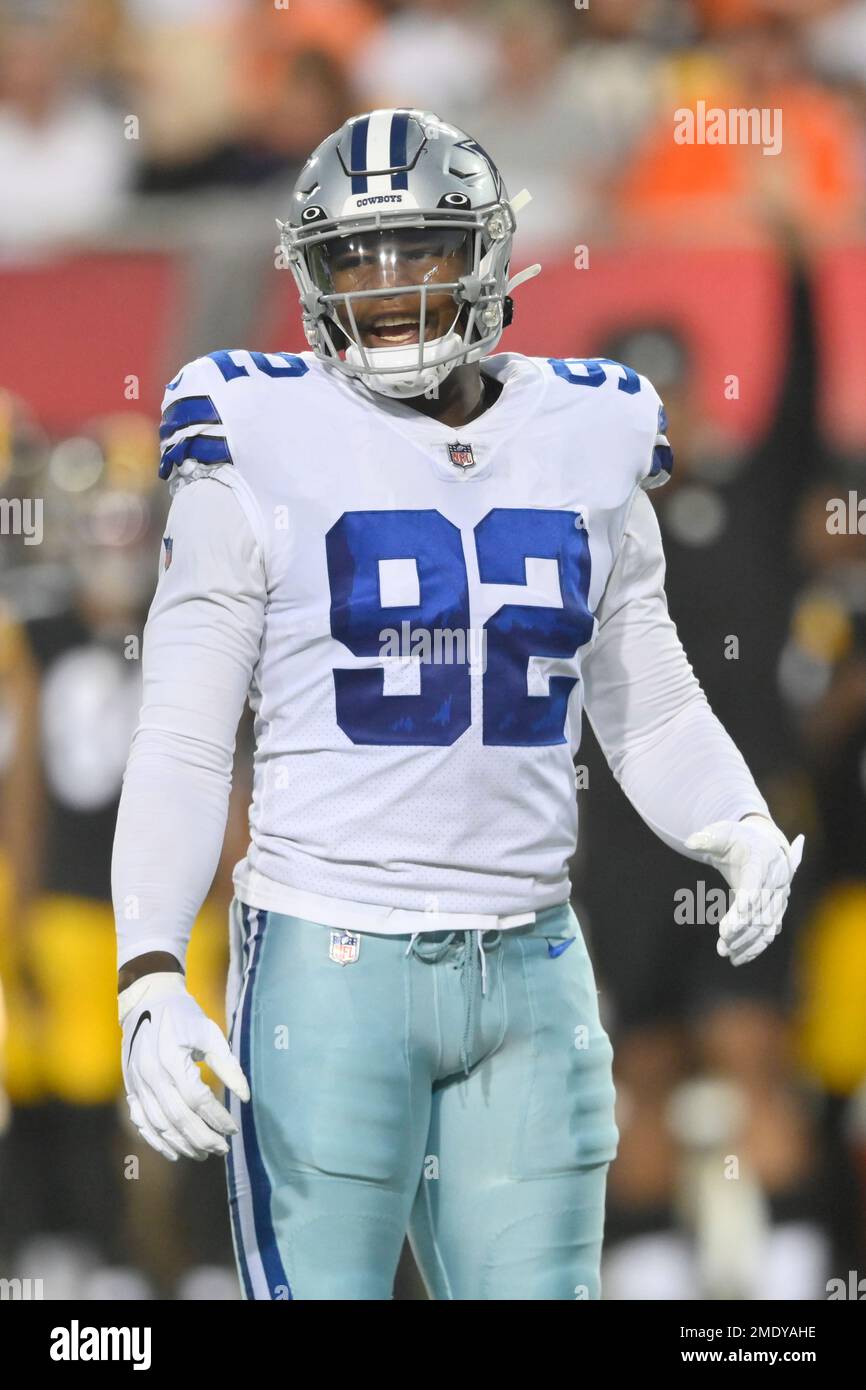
507	311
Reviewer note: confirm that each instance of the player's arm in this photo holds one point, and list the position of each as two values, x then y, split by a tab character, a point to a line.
668	751
201	646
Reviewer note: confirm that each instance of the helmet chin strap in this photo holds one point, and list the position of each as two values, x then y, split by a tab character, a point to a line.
415	380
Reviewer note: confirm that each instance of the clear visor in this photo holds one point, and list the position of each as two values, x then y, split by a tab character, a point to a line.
384	286
390	259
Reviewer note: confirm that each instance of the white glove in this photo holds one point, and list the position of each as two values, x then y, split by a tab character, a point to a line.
165	1033
759	864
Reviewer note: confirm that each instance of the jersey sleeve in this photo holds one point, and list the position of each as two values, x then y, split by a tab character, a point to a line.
198	438
673	759
659	455
201	646
193	435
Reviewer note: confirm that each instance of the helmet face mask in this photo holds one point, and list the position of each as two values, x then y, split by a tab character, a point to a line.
392	289
400	287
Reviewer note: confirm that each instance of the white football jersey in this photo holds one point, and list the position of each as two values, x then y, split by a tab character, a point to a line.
427	600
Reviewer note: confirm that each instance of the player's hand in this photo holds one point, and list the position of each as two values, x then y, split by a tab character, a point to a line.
165	1033
759	864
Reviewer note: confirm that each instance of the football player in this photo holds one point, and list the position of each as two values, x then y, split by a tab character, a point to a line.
419	560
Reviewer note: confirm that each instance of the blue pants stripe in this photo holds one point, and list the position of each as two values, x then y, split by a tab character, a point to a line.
255	926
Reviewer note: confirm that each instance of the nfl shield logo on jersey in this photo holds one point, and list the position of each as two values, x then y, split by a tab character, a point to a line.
461	455
345	946
168	542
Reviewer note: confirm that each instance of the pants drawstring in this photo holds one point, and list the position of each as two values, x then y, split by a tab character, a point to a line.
474	953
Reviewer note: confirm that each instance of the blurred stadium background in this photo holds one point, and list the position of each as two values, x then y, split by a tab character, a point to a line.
145	148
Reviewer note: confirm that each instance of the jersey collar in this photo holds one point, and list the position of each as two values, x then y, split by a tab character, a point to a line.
523	383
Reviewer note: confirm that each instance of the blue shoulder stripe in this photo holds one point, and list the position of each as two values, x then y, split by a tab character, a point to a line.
663	454
201	448
188	410
663	458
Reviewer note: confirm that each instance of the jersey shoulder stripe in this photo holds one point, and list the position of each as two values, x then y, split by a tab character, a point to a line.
194	431
196	448
662	463
638	398
188	410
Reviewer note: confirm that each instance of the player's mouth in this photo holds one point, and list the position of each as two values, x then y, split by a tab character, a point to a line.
392	330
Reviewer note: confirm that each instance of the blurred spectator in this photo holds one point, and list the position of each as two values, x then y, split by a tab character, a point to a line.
306	97
832	1054
180	69
837	40
64	161
811	188
555	128
436	54
266	86
822	674
340	28
168	12
73	693
614	75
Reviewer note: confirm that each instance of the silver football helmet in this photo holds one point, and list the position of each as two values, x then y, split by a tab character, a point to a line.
400	233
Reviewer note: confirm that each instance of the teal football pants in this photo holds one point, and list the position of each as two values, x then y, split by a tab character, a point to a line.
455	1089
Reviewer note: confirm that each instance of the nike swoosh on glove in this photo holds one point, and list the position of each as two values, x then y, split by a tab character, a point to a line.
165	1033
759	864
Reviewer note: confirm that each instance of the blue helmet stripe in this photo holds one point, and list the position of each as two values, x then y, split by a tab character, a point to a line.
399	132
359	154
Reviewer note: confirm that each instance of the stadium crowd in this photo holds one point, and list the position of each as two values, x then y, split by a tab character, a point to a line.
151	134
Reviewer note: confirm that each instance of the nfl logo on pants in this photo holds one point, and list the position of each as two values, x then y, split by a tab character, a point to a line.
345	946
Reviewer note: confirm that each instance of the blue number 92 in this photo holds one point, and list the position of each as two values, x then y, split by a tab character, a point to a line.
441	711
